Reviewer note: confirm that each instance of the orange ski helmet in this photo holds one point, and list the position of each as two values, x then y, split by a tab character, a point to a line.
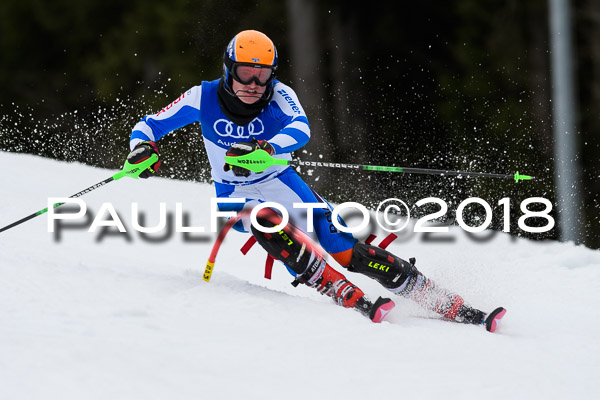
250	57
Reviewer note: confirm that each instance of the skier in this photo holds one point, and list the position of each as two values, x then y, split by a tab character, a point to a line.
247	109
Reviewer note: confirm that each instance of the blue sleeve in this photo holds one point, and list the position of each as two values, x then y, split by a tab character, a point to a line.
181	112
287	109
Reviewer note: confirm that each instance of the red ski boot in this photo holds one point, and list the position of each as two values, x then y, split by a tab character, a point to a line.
334	284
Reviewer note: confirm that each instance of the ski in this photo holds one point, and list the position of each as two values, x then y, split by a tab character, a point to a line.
492	320
377	311
340	289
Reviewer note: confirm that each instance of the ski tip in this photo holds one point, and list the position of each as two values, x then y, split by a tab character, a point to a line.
491	322
381	309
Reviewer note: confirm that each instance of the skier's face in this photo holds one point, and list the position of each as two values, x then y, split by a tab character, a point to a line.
249	93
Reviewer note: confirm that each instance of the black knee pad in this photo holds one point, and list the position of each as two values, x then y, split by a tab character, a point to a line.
284	245
379	264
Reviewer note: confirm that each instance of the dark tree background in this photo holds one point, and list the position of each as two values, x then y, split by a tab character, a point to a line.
437	84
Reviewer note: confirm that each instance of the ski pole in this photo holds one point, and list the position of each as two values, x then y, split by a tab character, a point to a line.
130	170
259	160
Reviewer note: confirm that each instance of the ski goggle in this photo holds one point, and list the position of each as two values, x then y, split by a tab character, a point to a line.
246	74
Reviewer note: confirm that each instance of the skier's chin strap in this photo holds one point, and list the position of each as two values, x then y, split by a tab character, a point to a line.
236	110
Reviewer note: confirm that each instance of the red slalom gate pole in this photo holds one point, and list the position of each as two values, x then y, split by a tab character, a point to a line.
310	244
215	250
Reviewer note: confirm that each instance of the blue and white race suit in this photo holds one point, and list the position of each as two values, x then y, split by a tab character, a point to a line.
282	123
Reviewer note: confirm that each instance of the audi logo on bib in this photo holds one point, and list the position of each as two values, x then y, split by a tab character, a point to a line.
225	128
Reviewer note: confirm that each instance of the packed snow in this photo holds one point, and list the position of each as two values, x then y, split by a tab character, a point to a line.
87	315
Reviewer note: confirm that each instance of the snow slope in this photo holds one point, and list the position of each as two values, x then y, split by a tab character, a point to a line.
91	317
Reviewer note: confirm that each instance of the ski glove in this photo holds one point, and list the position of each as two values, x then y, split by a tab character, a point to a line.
141	152
243	148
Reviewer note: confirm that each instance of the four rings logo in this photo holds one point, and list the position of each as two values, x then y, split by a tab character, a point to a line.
225	128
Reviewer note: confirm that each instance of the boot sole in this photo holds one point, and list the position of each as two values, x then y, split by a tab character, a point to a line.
491	322
381	309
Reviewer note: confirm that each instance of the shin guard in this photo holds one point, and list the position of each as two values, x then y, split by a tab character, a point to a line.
379	264
296	250
403	278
